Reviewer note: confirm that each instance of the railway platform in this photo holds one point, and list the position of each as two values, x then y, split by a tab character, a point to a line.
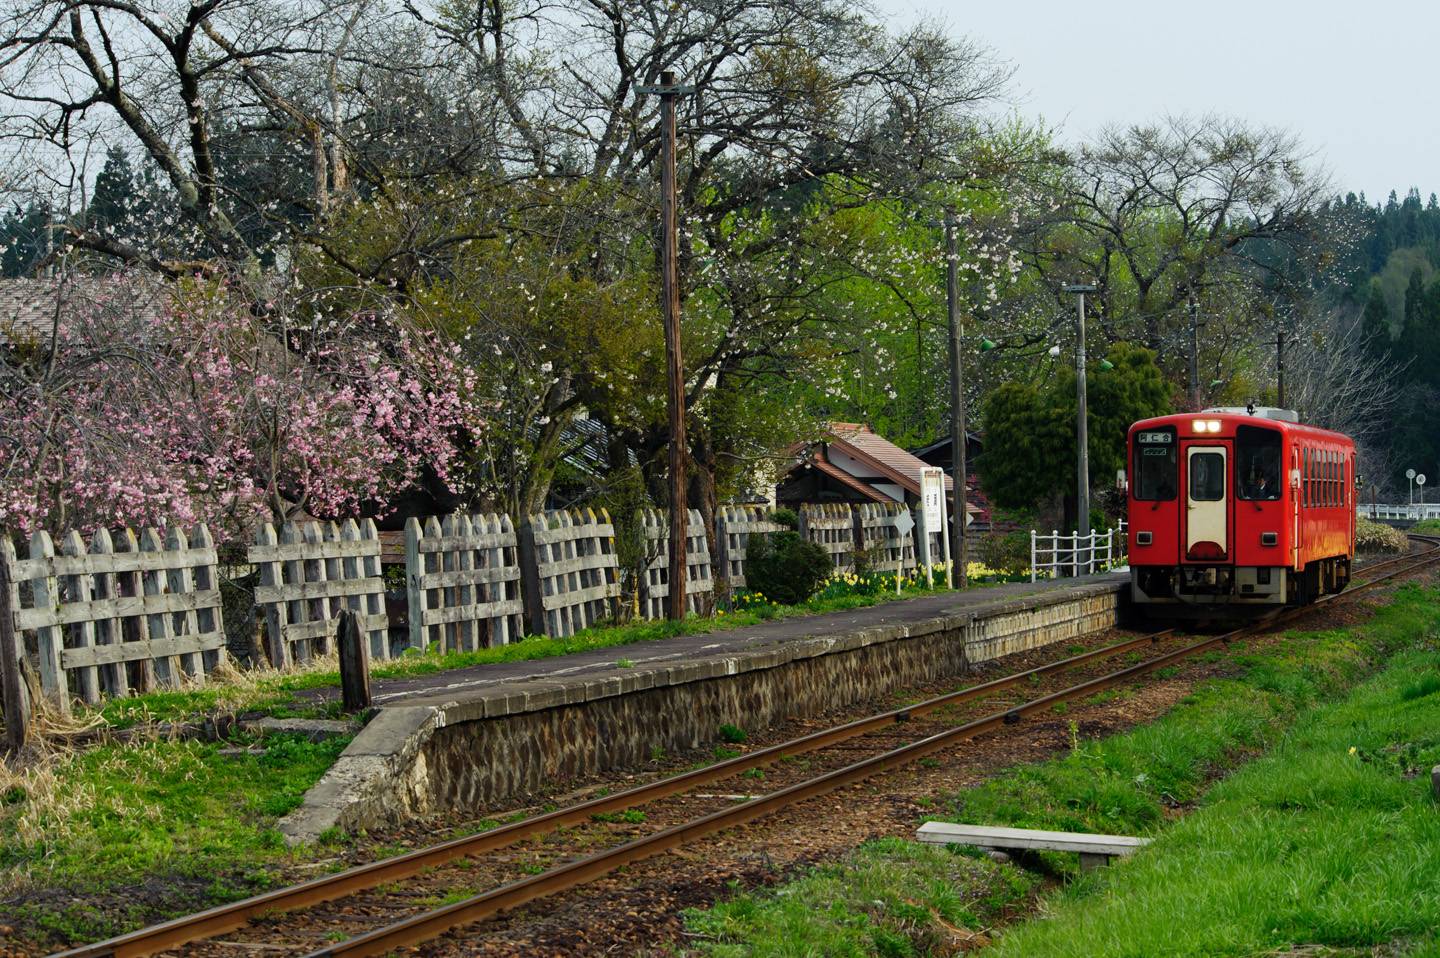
485	735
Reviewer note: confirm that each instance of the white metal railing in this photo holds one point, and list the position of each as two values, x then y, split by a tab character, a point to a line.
1075	554
1412	511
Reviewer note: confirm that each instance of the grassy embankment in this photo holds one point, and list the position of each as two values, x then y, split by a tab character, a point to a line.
1329	837
94	842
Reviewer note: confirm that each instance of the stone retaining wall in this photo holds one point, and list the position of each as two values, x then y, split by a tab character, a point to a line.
517	739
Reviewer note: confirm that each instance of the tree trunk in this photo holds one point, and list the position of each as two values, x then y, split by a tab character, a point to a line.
704	494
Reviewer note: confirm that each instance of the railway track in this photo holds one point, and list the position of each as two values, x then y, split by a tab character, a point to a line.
416	926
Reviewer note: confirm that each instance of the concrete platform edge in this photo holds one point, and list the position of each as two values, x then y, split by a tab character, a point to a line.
399	768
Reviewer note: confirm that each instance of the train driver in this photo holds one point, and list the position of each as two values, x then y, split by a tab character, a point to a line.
1261	487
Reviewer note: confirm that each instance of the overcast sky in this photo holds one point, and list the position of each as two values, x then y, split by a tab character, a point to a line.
1357	81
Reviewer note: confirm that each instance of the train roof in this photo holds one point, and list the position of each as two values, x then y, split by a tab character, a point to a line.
1232	416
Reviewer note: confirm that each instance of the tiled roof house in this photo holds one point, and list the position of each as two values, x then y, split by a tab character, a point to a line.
854	464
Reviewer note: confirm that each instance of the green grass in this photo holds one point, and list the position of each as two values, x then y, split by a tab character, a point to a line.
890	898
733	734
1128	784
1332	840
176	813
275	695
629	816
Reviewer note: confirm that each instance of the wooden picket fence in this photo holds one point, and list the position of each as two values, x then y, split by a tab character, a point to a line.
569	569
310	572
655	586
831	526
115	621
463	576
112	617
734	527
881	538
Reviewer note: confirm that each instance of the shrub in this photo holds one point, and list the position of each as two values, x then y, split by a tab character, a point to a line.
1008	553
1376	537
868	560
784	567
788	518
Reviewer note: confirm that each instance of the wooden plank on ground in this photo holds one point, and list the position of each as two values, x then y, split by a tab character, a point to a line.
990	836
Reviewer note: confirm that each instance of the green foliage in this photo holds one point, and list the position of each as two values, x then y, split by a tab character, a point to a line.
625	499
788	518
1030	428
1005	552
785	567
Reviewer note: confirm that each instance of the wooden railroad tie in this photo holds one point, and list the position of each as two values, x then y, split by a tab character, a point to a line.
1094	850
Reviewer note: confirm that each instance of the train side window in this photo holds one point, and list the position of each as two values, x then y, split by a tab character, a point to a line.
1257	463
1156	465
1308	483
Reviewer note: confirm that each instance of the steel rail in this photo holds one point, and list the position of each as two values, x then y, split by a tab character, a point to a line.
224	918
428	925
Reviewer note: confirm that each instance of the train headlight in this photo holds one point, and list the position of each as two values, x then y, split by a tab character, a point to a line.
1206	425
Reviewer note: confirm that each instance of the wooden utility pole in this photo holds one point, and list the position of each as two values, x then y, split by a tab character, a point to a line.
1280	366
1082	439
958	514
1195	325
668	90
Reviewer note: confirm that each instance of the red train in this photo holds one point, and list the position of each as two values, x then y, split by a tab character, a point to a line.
1238	507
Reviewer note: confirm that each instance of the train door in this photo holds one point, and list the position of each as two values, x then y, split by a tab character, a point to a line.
1297	490
1207	513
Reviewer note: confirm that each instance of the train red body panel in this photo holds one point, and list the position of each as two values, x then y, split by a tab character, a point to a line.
1238	507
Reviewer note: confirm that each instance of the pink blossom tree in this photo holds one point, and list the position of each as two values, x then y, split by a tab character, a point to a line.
149	404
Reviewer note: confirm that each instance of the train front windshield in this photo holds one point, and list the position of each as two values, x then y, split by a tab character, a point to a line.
1257	462
1156	464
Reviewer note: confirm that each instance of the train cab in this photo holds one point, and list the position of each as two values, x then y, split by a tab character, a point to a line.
1238	507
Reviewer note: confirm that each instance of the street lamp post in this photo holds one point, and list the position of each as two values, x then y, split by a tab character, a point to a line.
1082	442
